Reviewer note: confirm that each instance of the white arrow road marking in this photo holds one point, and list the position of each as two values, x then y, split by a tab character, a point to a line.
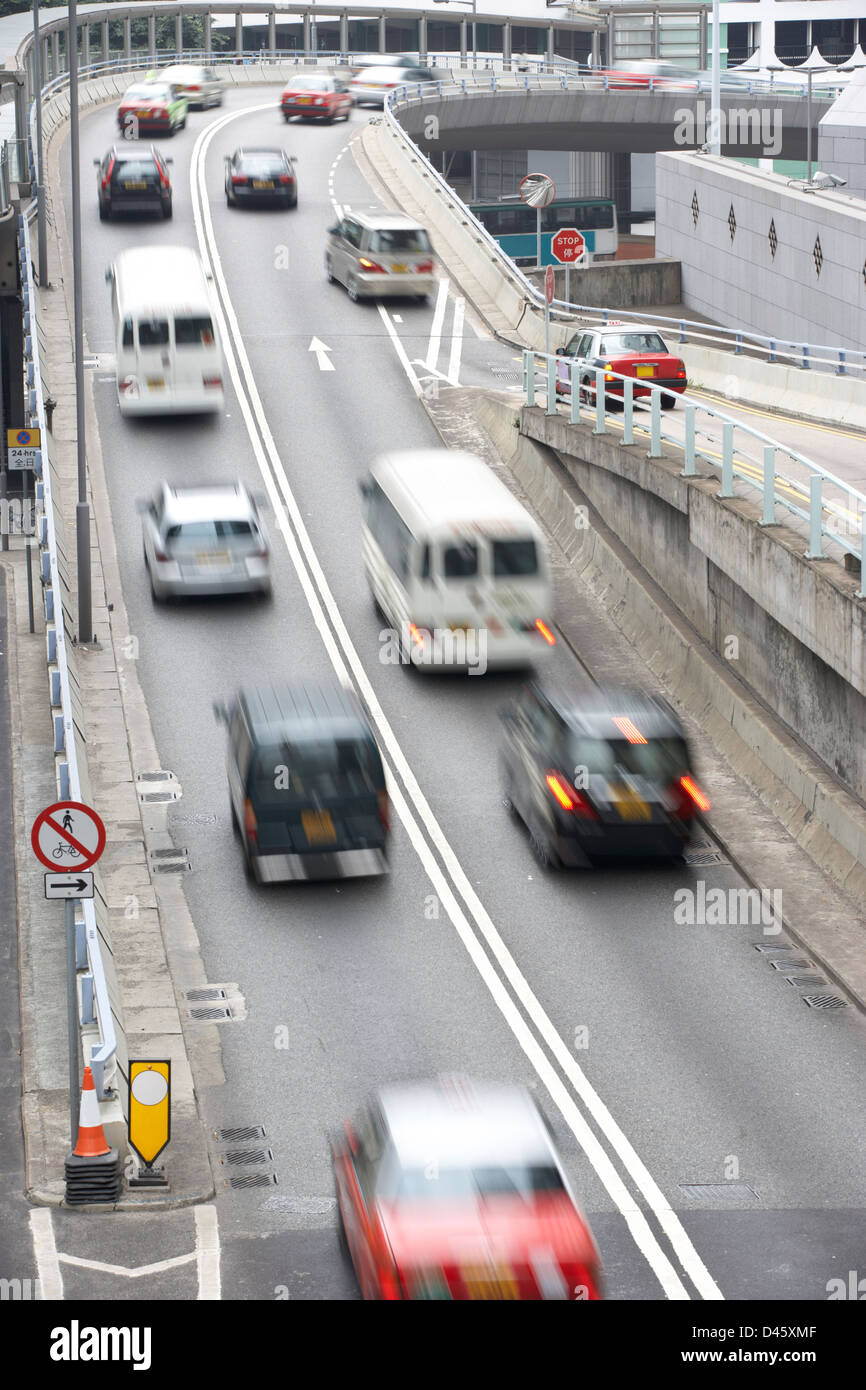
318	347
206	1255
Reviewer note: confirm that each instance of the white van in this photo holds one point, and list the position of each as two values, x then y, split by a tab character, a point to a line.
169	358
456	565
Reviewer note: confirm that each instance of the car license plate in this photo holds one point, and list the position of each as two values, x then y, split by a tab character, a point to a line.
135	183
318	827
262	183
143	115
156	383
645	370
482	1283
399	269
212	558
629	806
303	101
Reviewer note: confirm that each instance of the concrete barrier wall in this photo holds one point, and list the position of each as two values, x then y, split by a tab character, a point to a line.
638	284
798	630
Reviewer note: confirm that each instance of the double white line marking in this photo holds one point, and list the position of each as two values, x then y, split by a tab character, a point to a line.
506	984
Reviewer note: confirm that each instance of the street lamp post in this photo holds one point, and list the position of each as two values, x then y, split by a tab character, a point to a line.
715	141
82	510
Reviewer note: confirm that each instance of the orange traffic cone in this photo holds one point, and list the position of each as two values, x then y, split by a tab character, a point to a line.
91	1137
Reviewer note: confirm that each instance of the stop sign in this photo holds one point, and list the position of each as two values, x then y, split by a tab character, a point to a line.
568	246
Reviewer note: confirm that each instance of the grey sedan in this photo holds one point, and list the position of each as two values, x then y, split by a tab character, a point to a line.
202	539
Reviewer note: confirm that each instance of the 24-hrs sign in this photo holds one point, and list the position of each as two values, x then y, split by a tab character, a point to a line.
568	246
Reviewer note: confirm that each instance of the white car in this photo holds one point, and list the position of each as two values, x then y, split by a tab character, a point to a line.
202	87
204	539
370	86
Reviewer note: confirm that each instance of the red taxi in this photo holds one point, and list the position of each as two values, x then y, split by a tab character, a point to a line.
452	1190
316	96
624	349
156	107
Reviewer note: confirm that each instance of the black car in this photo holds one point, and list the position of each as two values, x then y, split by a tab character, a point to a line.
599	773
261	176
306	783
133	180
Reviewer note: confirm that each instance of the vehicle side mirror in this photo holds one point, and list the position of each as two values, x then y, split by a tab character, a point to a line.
221	714
560	352
293	159
334	231
365	487
169	160
108	274
97	163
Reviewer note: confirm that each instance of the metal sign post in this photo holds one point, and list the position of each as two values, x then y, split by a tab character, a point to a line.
549	295
538	191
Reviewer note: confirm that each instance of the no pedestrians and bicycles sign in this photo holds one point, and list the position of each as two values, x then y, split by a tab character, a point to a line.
68	838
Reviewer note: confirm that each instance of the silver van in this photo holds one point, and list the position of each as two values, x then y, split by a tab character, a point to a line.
201	86
379	254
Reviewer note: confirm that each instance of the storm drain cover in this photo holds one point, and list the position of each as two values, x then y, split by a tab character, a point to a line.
806	981
771	950
160	776
824	1001
790	963
699	857
302	1206
242	1156
203	1015
198	996
168	853
710	1193
239	1133
253	1180
158	796
175	866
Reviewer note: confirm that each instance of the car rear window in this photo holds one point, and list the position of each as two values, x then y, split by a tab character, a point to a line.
262	166
632	342
208	532
399	239
149	93
460	561
310	84
659	758
194	331
153	332
416	1184
321	769
127	169
514	557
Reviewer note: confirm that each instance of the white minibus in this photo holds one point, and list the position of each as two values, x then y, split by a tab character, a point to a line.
169	359
457	566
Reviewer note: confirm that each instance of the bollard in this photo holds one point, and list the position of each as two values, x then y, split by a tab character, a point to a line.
689	444
816	550
655	449
727	459
600	403
550	408
575	393
628	412
769	516
529	376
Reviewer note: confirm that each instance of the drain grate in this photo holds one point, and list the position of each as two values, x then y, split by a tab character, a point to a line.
790	963
158	796
700	857
824	1001
240	1132
177	866
253	1180
507	374
160	776
719	1192
772	950
205	1015
198	996
241	1156
806	981
169	853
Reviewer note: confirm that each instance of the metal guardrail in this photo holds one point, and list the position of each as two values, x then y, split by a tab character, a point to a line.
741	341
88	949
826	520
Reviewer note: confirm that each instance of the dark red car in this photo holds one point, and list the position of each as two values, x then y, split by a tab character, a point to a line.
453	1190
626	349
316	97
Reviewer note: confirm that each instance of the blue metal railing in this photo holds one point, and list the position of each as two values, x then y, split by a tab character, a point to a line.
843	524
95	997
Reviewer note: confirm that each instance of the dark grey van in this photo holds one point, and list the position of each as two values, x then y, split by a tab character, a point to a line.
306	782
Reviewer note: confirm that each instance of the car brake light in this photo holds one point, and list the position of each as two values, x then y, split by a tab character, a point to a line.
418	634
239	178
628	729
384	808
213	382
545	631
389	1285
163	177
159	552
425	267
193	89
681	371
568	798
702	802
251	828
285	178
372	265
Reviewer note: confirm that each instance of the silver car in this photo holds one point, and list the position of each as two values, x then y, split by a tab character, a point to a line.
378	255
201	86
370	86
204	538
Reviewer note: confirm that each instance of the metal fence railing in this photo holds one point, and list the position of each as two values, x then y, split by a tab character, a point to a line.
833	509
96	1005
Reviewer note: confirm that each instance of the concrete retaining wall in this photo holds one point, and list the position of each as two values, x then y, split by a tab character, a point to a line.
638	283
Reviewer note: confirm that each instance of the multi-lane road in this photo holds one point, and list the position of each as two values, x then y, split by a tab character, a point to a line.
665	1056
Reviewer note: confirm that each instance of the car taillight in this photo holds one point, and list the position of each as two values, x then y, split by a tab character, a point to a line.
128	386
693	790
107	179
163	177
384	808
213	382
372	265
419	635
239	178
285	178
569	799
681	371
317	101
541	626
390	84
193	89
159	552
425	267
251	828
389	1284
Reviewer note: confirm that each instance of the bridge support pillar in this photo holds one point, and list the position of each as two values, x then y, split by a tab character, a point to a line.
178	33
206	36
306	39
464	25
344	32
703	59
382	36
272	31
239	33
506	46
151	36
422	39
656	32
55	53
595	53
85	45
551	33
611	40
127	39
105	43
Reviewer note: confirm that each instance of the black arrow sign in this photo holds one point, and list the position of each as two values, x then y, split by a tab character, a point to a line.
66	882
